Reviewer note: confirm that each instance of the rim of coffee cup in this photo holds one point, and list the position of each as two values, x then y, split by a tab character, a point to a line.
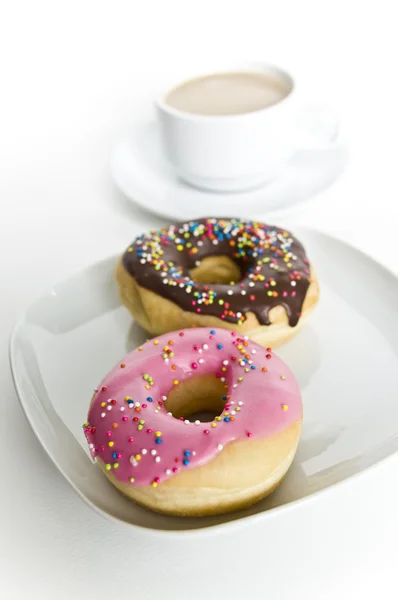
251	67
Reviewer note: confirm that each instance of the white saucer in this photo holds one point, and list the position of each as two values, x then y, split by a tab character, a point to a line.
143	174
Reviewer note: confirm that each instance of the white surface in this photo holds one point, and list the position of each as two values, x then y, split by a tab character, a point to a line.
237	152
143	174
352	428
75	76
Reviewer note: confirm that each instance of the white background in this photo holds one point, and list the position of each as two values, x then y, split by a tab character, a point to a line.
73	76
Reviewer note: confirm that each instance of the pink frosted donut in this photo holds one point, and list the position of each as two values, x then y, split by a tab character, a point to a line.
140	431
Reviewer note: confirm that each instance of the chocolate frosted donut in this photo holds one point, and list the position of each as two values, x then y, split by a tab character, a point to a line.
241	275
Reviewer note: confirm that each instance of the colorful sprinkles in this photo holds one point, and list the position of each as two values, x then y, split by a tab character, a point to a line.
150	445
273	265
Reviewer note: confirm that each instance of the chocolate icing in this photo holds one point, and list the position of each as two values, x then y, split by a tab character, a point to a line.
274	267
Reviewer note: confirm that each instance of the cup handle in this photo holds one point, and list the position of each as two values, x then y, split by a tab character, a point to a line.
316	128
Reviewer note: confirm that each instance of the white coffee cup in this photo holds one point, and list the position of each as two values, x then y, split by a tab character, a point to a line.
235	152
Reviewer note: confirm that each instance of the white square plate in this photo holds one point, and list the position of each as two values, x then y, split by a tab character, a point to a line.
345	360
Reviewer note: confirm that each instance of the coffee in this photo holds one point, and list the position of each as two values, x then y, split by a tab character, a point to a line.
229	93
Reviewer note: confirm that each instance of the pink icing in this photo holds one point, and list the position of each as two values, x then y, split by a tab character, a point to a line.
128	417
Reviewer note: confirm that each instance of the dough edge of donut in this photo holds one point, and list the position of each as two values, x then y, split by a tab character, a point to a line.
244	472
158	315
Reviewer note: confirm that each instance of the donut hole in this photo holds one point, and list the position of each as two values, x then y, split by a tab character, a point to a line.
197	399
216	269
